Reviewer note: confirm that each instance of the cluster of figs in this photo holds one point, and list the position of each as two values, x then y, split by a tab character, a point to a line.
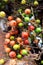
19	39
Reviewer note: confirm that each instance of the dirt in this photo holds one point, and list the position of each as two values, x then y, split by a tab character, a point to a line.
2	53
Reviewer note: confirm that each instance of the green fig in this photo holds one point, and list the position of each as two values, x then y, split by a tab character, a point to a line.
26	19
19	56
20	24
12	38
16	47
37	21
38	30
24	52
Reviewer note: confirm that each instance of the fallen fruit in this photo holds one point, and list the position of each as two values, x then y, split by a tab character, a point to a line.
2	61
27	11
8	35
19	56
2	14
10	18
16	47
12	43
37	21
20	24
26	42
12	54
19	39
12	38
5	1
7	50
18	20
7	41
26	19
36	3
42	62
13	23
23	2
24	52
25	35
38	30
31	28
